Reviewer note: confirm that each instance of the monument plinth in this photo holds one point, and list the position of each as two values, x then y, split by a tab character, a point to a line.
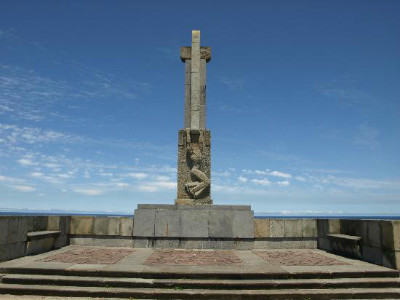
193	222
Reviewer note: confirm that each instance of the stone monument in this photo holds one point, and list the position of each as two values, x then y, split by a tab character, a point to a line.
194	222
194	142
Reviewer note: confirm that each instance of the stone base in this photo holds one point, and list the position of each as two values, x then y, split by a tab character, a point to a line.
206	201
203	226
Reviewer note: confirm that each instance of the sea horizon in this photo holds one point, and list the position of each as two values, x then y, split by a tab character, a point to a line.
258	215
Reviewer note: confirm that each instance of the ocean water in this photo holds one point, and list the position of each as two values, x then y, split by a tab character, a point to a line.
256	215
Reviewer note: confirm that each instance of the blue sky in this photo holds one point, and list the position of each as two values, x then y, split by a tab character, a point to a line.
303	102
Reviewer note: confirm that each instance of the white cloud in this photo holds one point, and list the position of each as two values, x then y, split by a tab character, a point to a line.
37	174
32	135
26	162
264	181
138	176
23	188
280	174
89	192
156	186
301	178
242	179
283	183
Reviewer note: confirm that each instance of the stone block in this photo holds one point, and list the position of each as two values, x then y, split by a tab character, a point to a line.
243	225
3	230
293	228
61	241
36	223
167	223
106	226
389	259
387	235
372	254
277	228
143	223
12	250
143	243
166	243
309	244
125	226
396	235
82	225
322	227
17	229
324	244
82	241
261	228
309	228
374	238
243	244
220	224
191	244
348	227
226	244
334	226
39	246
53	223
210	244
195	224
65	224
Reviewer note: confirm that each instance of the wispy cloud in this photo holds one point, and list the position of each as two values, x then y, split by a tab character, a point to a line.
23	188
366	136
233	84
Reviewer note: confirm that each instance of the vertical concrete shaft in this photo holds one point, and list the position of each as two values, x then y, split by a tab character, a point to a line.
188	65
195	82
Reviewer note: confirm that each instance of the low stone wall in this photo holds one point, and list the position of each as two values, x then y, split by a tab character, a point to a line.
101	231
380	239
379	244
285	233
14	229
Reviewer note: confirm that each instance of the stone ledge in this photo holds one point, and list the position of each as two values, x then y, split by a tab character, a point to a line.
350	238
38	235
194	207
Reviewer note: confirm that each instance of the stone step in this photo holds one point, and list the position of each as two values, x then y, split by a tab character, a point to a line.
177	293
253	284
174	274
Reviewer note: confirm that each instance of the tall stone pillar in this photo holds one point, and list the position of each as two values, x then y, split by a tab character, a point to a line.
194	146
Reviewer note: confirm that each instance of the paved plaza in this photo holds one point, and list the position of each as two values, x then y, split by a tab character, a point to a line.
120	259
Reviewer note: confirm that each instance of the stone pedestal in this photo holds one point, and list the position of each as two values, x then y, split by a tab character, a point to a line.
199	226
194	167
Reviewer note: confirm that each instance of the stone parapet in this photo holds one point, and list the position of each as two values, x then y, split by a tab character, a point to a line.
379	239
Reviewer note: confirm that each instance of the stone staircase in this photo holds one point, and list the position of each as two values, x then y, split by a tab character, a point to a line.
175	285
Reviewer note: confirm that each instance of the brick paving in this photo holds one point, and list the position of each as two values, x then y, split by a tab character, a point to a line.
194	258
297	258
90	256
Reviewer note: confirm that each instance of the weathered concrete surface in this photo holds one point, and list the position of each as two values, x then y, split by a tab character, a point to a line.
164	225
82	225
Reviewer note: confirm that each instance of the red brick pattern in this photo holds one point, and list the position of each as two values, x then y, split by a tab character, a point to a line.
194	258
297	258
90	256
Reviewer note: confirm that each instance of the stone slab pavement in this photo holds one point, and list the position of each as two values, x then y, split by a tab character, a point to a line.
119	259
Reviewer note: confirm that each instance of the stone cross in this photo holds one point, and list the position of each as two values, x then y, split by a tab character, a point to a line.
194	146
195	59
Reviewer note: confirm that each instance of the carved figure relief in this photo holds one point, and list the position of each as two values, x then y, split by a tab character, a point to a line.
199	181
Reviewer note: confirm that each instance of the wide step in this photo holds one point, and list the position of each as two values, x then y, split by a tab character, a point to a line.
253	284
356	293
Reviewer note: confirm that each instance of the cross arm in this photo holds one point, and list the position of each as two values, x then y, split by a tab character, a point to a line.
205	53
